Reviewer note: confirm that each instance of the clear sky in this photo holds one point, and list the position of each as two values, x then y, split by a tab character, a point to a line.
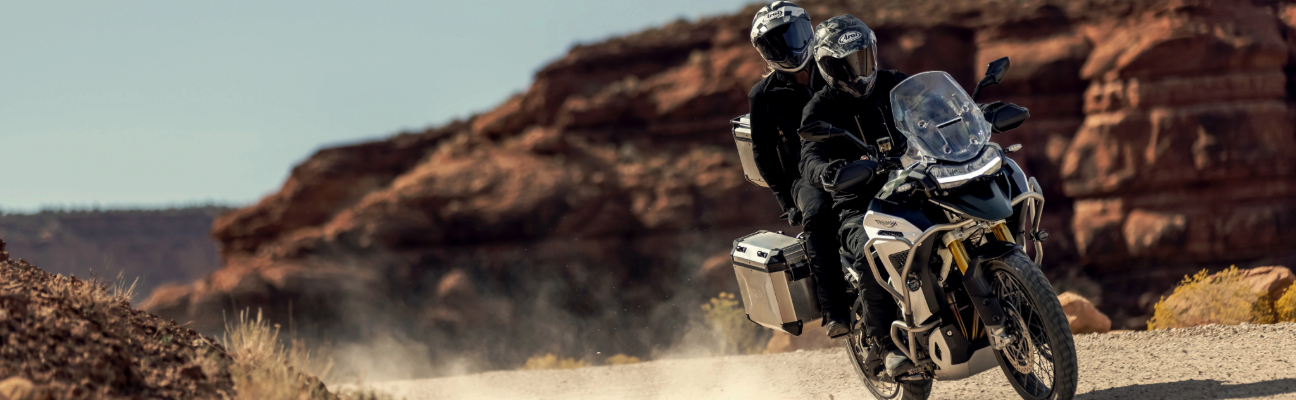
153	103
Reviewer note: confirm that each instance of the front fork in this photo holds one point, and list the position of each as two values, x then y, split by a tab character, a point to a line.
984	301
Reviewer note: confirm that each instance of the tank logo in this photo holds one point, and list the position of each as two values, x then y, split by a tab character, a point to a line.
888	224
849	37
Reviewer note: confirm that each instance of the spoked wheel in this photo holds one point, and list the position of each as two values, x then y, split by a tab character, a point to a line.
868	365
1041	360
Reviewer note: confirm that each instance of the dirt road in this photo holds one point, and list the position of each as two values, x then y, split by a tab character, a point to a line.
1213	362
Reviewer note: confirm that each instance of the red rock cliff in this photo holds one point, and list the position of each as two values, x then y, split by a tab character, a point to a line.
576	217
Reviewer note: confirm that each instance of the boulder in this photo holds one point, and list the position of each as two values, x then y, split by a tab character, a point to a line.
1082	315
1227	297
16	388
1272	281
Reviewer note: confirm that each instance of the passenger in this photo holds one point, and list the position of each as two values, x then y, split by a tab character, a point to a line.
856	100
782	33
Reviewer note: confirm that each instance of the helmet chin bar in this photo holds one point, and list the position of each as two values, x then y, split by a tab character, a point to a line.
805	61
868	87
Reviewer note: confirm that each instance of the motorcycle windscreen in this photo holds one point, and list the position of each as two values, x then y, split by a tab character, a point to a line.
939	120
981	200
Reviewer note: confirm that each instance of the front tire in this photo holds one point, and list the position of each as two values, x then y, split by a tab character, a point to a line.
1041	362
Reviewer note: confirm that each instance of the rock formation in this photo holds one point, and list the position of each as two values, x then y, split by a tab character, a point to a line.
1183	160
577	217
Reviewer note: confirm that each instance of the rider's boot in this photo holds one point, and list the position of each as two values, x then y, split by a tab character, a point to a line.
836	323
897	364
838	329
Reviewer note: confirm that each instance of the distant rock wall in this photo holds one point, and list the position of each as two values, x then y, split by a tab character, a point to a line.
1184	159
156	246
588	214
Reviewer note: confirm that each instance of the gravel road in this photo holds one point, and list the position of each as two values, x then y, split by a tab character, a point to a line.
1211	362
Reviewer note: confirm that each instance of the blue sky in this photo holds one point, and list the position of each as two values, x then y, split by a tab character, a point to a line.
153	103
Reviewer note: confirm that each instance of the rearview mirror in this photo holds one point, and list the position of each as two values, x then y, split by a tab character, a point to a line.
819	131
995	73
997	70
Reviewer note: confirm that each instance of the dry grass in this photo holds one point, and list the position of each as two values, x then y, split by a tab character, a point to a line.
550	361
265	369
1285	307
1203	299
725	315
622	359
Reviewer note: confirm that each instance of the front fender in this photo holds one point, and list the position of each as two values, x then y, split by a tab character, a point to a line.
991	250
977	284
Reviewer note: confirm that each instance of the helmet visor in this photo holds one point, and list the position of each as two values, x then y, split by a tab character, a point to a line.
859	64
785	43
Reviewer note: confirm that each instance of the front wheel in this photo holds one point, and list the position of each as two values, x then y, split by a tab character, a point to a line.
1041	361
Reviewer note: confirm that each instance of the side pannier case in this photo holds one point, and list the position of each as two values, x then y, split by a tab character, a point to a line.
742	137
774	279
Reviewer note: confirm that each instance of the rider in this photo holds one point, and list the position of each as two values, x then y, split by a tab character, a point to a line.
856	100
782	33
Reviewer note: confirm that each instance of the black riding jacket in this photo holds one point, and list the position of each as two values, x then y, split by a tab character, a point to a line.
869	117
776	104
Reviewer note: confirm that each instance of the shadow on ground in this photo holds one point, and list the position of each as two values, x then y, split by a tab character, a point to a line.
1195	389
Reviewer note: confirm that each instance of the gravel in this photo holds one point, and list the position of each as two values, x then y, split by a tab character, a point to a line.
1210	362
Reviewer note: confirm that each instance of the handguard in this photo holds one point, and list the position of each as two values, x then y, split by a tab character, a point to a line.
844	177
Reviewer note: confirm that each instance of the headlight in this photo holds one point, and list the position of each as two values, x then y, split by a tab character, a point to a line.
951	176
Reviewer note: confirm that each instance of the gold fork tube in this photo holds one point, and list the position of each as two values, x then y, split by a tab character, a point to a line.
1002	233
960	255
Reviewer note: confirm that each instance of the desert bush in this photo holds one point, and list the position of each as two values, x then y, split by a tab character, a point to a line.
551	361
725	315
1285	307
1202	299
622	359
264	368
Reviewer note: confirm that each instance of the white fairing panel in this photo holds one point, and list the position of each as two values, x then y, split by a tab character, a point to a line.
879	225
875	223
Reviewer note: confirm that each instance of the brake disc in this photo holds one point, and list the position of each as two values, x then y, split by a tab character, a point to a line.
1020	353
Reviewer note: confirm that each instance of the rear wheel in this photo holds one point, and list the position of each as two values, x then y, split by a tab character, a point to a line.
1041	361
868	364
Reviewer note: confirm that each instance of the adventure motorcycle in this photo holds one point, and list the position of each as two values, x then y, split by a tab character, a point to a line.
946	232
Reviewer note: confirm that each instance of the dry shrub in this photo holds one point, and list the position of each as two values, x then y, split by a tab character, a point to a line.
726	316
550	361
263	368
1285	307
622	359
1203	299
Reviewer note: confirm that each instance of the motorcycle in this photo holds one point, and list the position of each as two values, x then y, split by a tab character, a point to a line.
947	233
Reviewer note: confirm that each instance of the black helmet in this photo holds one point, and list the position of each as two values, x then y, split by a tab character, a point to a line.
781	31
846	52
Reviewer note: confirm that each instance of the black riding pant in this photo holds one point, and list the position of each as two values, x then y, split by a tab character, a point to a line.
819	224
879	307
